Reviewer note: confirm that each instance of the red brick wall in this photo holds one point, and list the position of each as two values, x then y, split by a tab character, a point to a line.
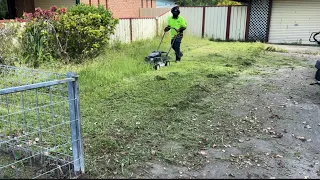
123	8
148	3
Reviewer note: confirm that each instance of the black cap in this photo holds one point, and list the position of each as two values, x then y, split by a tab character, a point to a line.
175	8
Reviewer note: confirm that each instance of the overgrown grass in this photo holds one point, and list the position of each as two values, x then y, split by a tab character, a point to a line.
133	114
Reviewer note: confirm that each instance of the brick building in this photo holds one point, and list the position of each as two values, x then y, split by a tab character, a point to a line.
119	8
123	8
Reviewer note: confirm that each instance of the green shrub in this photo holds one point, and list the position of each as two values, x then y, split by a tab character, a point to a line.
3	10
9	48
38	40
35	44
86	30
71	35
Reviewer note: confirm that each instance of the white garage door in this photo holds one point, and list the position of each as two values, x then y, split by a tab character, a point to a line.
292	21
46	4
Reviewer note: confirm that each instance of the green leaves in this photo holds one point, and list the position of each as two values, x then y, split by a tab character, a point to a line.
8	48
90	28
3	9
80	33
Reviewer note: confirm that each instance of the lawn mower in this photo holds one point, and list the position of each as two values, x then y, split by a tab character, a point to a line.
159	58
317	77
313	37
317	65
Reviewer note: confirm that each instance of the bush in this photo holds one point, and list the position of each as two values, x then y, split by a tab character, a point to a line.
39	40
9	48
85	30
71	35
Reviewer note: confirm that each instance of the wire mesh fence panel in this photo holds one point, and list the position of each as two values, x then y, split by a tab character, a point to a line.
40	125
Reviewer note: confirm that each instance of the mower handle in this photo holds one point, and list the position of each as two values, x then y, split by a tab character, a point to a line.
163	37
313	36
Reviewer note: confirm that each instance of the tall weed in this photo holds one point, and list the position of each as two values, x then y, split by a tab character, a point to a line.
9	48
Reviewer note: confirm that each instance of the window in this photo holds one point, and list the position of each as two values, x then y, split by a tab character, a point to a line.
4	12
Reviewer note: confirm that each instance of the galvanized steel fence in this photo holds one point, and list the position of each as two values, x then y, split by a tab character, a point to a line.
40	124
216	22
135	29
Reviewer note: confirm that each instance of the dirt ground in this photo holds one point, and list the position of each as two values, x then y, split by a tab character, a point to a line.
287	107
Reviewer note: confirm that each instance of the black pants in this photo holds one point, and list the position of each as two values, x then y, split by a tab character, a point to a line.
176	47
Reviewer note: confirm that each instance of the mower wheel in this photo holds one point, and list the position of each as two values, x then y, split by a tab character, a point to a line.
167	63
157	67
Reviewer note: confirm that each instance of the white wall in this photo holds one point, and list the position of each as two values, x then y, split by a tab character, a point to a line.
143	29
238	23
46	4
216	22
193	16
163	22
122	32
292	21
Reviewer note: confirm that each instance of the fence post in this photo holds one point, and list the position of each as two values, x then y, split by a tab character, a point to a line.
228	22
203	20
269	20
75	122
157	25
248	21
131	38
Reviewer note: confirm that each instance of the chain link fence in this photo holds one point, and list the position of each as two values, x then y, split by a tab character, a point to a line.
40	125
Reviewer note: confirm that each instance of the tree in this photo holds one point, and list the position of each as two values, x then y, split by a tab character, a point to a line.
206	2
3	9
228	2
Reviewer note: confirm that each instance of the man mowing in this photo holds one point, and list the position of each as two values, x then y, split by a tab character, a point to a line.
177	24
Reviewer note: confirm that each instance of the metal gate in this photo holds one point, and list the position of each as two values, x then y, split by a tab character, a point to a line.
40	124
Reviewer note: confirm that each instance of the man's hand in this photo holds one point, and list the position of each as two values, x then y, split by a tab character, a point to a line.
182	29
167	29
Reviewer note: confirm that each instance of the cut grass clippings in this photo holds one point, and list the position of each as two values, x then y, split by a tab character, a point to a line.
133	114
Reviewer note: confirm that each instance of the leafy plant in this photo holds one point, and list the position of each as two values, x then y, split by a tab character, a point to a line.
38	40
71	35
85	30
3	9
9	49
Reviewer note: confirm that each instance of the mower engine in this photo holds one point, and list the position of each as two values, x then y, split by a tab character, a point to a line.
154	57
158	59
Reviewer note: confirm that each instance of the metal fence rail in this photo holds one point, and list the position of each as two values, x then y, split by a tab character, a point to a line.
40	124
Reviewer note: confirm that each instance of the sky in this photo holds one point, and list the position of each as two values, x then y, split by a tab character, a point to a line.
165	3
